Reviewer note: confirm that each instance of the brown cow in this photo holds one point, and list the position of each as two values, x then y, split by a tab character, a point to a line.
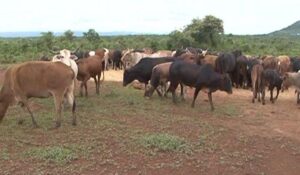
269	62
91	67
160	76
258	84
209	59
38	79
284	64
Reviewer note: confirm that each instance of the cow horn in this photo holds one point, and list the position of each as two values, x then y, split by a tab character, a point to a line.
76	50
54	52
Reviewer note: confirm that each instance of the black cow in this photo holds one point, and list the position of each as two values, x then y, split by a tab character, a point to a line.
295	61
81	54
241	78
199	77
226	63
272	79
115	57
143	69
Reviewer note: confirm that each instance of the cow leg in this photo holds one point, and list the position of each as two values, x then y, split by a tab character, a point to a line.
277	93
24	104
96	84
81	89
271	95
258	96
197	89
85	87
58	99
263	96
158	92
71	100
172	88
254	95
210	101
181	92
298	97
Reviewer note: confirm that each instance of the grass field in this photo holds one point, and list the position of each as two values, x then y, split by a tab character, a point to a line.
121	132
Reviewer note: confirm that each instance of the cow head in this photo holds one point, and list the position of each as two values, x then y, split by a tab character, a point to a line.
128	77
226	84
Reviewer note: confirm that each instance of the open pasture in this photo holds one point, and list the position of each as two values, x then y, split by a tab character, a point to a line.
121	132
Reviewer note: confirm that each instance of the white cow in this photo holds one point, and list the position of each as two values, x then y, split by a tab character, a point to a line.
67	58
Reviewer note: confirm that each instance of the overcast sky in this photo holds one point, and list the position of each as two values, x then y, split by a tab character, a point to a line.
146	16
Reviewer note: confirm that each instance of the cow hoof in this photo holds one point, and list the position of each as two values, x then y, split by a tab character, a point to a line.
20	122
35	126
263	103
252	100
74	123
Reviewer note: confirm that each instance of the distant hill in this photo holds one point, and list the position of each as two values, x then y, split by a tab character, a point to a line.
76	33
292	30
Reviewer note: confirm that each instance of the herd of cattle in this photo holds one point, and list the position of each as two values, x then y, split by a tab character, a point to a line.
191	67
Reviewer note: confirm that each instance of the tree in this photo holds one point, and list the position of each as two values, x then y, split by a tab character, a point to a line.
179	40
207	31
68	36
47	39
92	36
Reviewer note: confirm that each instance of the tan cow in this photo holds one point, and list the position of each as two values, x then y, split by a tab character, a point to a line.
38	79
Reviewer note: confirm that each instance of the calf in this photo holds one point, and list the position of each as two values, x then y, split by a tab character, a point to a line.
38	79
90	67
272	80
292	79
258	84
160	76
199	77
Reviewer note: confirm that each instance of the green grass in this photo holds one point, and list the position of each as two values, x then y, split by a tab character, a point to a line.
55	154
164	142
4	154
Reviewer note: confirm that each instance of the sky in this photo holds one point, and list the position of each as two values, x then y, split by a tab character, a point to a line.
145	16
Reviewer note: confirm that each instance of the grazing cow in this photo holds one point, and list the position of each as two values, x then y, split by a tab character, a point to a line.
38	79
292	79
258	83
295	64
269	62
284	64
272	79
199	77
142	71
91	67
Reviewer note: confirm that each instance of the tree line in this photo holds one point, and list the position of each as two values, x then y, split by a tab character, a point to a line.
203	33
